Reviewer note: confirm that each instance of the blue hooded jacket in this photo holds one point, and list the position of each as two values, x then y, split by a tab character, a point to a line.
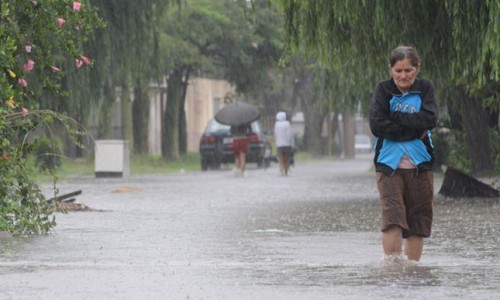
401	124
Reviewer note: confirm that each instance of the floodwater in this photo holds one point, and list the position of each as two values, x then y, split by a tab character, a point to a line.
209	235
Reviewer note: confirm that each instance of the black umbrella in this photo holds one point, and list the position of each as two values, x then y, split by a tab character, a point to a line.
237	113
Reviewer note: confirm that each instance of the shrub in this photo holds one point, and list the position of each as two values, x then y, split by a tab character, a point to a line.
36	38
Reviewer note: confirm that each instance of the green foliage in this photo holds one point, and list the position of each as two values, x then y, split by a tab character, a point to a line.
457	156
457	40
35	39
217	38
23	207
47	154
495	141
477	56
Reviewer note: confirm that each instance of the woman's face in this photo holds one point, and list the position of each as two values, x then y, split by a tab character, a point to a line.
403	73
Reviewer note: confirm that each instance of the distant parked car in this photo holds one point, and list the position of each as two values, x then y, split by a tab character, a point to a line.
362	143
216	142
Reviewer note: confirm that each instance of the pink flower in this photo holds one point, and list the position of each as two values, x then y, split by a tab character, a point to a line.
78	63
24	112
34	2
55	69
28	48
76	5
22	82
60	22
85	59
29	65
5	156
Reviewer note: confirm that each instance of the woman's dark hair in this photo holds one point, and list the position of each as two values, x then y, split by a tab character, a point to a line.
404	52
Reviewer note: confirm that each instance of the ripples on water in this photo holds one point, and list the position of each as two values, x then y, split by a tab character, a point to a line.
303	238
460	260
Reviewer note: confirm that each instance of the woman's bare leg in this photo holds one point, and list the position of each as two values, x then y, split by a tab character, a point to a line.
286	163
237	161
243	160
392	240
414	246
281	163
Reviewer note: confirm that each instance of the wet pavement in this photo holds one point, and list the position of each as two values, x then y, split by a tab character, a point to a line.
210	235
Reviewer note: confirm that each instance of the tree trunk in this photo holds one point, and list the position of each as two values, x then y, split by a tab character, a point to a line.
476	125
170	142
126	110
310	99
335	129
105	112
182	116
182	129
331	132
140	114
313	120
349	131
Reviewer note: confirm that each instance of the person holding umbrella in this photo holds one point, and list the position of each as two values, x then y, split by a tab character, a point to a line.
240	135
239	115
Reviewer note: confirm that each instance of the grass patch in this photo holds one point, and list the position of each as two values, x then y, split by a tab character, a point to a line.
303	156
139	164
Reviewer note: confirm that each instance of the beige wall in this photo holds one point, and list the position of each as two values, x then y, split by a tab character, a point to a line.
203	96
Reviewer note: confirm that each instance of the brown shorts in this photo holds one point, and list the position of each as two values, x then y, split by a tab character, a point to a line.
407	200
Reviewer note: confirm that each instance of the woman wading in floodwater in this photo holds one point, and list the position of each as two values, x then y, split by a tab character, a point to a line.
402	113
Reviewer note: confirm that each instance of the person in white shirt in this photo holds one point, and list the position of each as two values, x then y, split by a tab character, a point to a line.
284	142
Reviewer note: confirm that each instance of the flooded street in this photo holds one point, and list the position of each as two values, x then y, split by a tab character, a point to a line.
209	235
